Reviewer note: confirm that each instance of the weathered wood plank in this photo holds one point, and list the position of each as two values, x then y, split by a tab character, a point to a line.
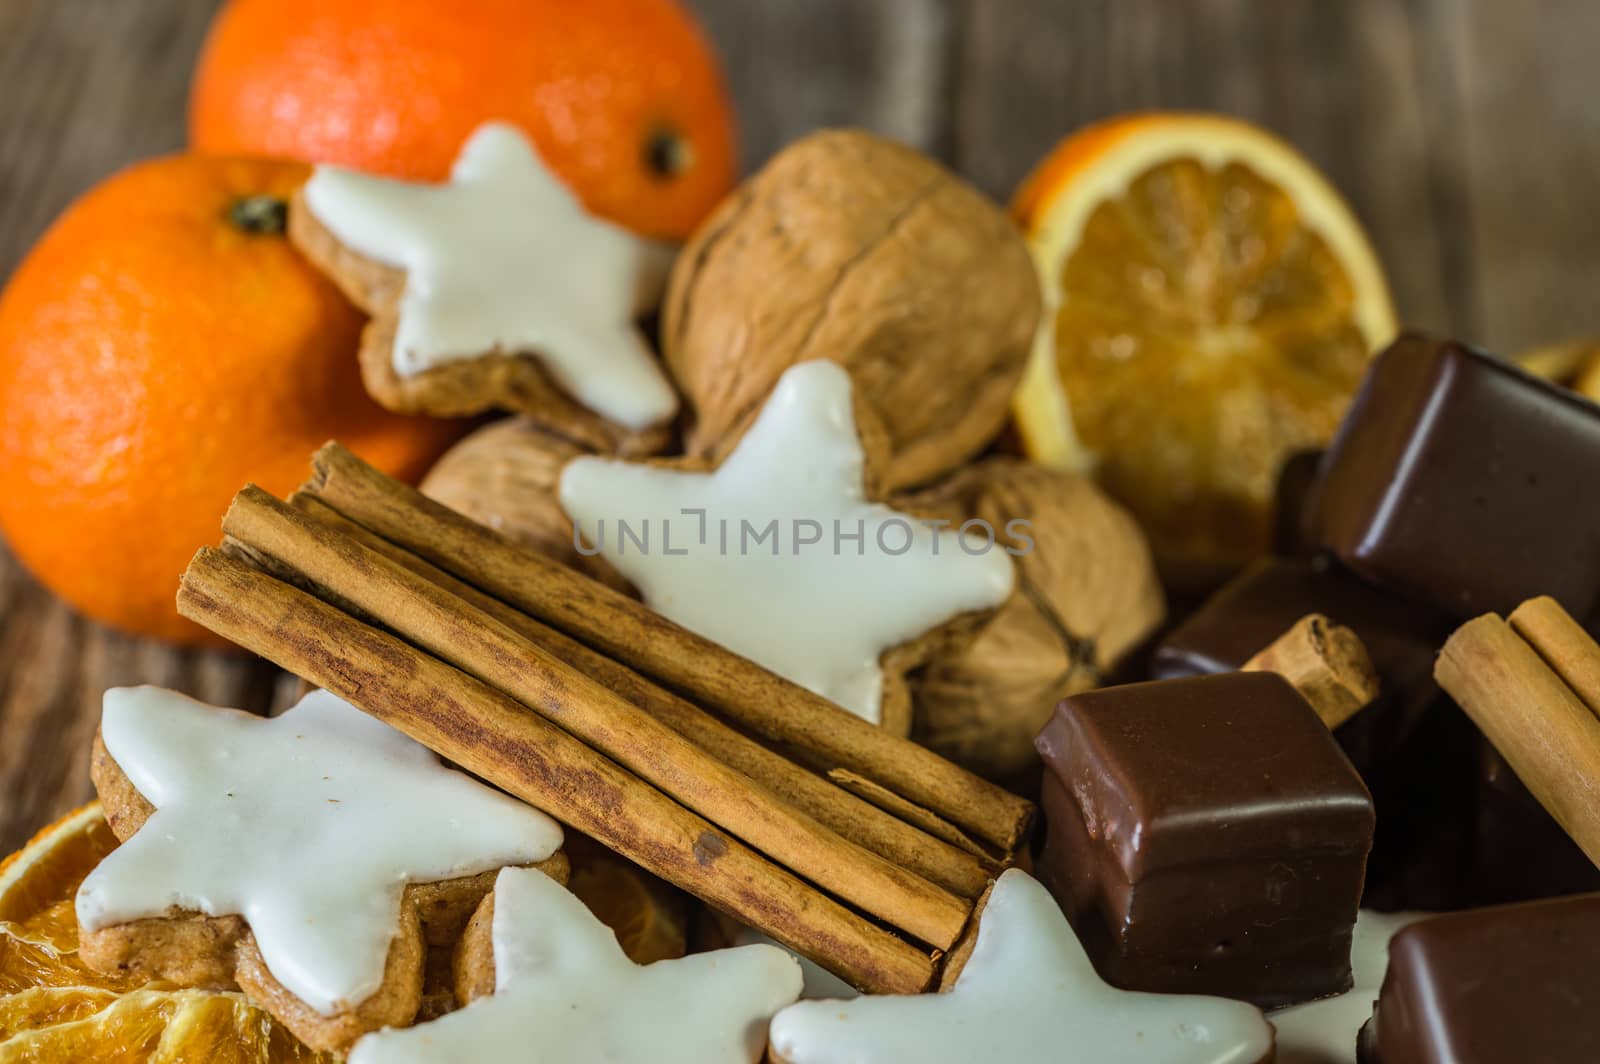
882	65
1527	154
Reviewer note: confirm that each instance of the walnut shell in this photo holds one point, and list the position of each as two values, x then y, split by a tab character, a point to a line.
1087	594
505	476
856	249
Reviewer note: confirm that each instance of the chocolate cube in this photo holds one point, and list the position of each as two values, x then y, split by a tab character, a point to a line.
1517	984
1463	481
1297	479
1413	747
1206	836
1522	853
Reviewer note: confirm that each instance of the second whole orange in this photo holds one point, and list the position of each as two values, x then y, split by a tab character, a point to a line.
624	98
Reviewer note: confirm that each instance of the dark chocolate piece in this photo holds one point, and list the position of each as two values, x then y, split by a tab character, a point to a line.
1261	603
1521	852
1516	984
1424	793
1206	835
1463	481
1291	536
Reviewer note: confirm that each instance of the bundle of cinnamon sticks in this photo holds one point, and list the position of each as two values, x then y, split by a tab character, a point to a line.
854	847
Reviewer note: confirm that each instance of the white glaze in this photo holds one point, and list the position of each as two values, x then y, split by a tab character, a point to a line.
565	993
504	257
1027	994
819	616
308	825
1324	1032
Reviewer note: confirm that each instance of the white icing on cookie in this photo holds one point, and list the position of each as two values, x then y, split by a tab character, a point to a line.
504	257
308	825
565	993
1324	1032
819	613
1027	994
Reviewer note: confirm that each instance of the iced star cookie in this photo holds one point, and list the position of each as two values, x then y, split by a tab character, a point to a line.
546	983
311	860
495	290
1027	993
782	555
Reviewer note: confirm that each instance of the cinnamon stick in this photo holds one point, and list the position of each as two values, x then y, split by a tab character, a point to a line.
951	862
1569	651
955	962
462	635
1550	738
495	737
886	800
1327	663
630	632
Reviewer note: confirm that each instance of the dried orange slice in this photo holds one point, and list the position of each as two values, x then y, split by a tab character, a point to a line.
1212	304
159	1027
1573	363
649	917
38	929
55	1010
47	1006
1587	381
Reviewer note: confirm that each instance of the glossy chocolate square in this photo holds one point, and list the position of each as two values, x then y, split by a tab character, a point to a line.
1521	852
1516	984
1414	748
1206	835
1297	479
1460	480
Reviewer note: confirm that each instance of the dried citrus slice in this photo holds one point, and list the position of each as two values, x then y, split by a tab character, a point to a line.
1574	363
47	1006
38	929
55	1010
1587	381
162	1027
1212	305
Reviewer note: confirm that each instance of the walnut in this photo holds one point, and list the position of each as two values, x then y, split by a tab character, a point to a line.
1087	594
504	476
853	248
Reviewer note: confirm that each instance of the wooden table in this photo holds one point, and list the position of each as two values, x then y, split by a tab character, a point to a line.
1464	132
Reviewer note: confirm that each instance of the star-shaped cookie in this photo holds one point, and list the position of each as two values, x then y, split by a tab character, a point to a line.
309	826
1325	1032
479	282
780	555
566	993
1028	993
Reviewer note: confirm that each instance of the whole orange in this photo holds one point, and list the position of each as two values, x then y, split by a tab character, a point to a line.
160	346
624	98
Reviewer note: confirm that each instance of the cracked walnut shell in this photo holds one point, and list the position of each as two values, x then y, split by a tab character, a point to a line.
856	249
1087	595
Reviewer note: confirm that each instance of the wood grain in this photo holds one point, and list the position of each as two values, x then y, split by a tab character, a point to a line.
1462	131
